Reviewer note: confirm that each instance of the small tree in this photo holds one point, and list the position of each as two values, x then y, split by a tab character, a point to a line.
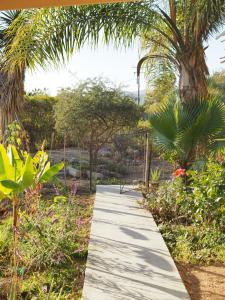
93	112
38	119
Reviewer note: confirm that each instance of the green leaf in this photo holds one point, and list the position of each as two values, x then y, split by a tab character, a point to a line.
15	161
51	172
28	173
58	199
4	191
6	169
9	184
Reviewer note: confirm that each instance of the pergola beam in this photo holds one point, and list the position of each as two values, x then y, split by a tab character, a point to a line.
21	4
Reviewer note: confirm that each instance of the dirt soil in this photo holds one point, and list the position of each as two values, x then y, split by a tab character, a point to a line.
204	282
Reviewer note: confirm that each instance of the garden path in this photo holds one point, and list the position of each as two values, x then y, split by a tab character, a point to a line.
128	258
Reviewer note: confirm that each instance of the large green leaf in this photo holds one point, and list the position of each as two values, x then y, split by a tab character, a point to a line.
51	172
15	161
27	178
11	185
6	169
183	128
4	190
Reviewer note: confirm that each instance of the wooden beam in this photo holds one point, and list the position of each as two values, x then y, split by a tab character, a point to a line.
21	4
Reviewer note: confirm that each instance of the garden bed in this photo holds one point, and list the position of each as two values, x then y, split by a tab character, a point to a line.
53	246
189	212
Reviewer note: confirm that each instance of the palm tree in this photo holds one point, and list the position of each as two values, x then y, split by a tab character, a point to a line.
175	33
11	84
43	36
188	130
178	39
52	34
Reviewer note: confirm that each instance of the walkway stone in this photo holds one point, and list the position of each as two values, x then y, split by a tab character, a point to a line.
128	258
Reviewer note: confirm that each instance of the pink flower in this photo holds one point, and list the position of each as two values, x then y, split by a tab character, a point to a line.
179	172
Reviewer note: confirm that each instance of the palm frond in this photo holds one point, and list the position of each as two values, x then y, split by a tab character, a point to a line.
208	18
172	26
187	127
155	56
163	122
6	20
51	35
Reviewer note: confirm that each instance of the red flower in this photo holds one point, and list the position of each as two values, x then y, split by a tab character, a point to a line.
180	172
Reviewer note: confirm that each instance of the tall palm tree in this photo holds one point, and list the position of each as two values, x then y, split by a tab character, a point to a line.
11	84
43	36
178	38
188	130
175	32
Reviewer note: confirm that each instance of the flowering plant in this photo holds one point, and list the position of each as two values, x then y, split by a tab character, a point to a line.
180	172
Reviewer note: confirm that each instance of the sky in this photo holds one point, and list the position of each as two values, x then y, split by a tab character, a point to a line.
117	65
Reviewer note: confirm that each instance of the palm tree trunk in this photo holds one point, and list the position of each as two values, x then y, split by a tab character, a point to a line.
193	74
11	96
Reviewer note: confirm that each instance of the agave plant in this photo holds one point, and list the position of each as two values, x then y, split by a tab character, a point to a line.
16	176
188	130
155	175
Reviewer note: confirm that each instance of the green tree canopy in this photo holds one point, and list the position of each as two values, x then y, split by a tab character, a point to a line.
217	84
38	119
93	112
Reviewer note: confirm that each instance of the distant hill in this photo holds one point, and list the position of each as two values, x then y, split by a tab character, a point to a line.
135	95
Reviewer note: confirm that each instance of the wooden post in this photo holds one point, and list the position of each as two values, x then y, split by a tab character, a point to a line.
64	158
90	167
148	155
144	158
91	160
51	146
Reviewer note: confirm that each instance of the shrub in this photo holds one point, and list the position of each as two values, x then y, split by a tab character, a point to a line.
165	203
194	244
202	201
207	196
38	120
117	168
191	217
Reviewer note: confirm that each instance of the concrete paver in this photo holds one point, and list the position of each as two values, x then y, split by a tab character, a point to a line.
128	258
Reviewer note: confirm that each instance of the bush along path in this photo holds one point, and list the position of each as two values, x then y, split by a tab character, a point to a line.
191	219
